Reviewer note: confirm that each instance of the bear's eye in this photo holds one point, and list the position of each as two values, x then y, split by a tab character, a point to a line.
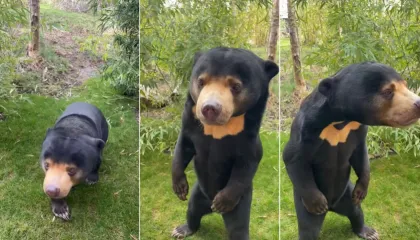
388	93
46	166
71	171
236	88
200	82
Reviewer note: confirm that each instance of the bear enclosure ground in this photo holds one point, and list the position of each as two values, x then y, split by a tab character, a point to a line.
391	205
161	210
65	74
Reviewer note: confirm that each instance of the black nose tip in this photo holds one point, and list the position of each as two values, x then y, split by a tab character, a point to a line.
417	104
52	191
211	110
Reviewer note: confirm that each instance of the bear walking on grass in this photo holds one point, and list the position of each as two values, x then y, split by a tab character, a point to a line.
71	153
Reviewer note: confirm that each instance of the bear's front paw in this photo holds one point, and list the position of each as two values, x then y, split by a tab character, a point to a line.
61	210
92	178
180	187
223	203
316	203
359	193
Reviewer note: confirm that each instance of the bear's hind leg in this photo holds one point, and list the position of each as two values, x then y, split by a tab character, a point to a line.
354	213
198	206
237	220
309	224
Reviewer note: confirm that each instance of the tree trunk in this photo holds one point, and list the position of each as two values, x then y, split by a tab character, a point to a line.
295	48
33	48
274	31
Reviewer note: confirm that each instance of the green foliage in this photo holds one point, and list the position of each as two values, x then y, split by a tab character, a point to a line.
158	135
171	34
383	140
350	32
12	13
122	69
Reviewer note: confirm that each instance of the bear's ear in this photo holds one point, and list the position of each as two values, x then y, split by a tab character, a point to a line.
325	86
271	69
197	55
48	131
99	143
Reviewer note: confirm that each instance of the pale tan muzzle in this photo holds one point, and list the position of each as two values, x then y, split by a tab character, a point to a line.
215	104
57	182
404	109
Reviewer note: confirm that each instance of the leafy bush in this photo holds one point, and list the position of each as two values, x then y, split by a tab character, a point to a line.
12	13
159	135
172	33
365	30
383	140
122	69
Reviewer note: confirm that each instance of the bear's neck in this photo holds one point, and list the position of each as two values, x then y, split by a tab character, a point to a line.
319	114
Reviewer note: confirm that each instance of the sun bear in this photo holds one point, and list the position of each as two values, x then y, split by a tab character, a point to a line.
328	138
71	153
221	120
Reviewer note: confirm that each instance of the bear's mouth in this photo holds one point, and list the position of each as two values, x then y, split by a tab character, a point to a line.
216	122
408	122
402	123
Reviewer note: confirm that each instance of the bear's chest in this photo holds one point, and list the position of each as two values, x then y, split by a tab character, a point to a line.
339	140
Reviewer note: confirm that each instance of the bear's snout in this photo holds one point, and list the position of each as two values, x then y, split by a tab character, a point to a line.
417	105
52	191
211	110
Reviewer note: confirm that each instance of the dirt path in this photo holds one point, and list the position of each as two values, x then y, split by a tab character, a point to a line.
82	66
61	66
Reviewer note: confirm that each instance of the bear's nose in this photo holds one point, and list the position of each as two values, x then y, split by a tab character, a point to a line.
211	110
417	104
52	191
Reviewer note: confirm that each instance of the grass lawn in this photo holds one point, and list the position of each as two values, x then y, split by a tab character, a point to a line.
107	210
161	210
392	205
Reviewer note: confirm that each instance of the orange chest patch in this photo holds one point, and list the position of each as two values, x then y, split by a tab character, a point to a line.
334	135
233	127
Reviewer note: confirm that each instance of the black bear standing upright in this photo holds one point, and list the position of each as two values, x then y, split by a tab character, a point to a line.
328	137
220	130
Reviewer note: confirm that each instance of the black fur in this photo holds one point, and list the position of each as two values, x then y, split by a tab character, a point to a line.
320	173
224	167
78	137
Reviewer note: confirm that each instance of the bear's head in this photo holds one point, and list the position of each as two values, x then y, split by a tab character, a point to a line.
372	94
227	82
67	161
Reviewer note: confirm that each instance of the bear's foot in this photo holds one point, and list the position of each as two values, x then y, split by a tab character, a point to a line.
92	178
368	233
60	209
182	231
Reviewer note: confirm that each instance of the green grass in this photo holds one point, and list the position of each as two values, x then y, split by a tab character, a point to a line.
391	206
107	210
64	20
161	210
